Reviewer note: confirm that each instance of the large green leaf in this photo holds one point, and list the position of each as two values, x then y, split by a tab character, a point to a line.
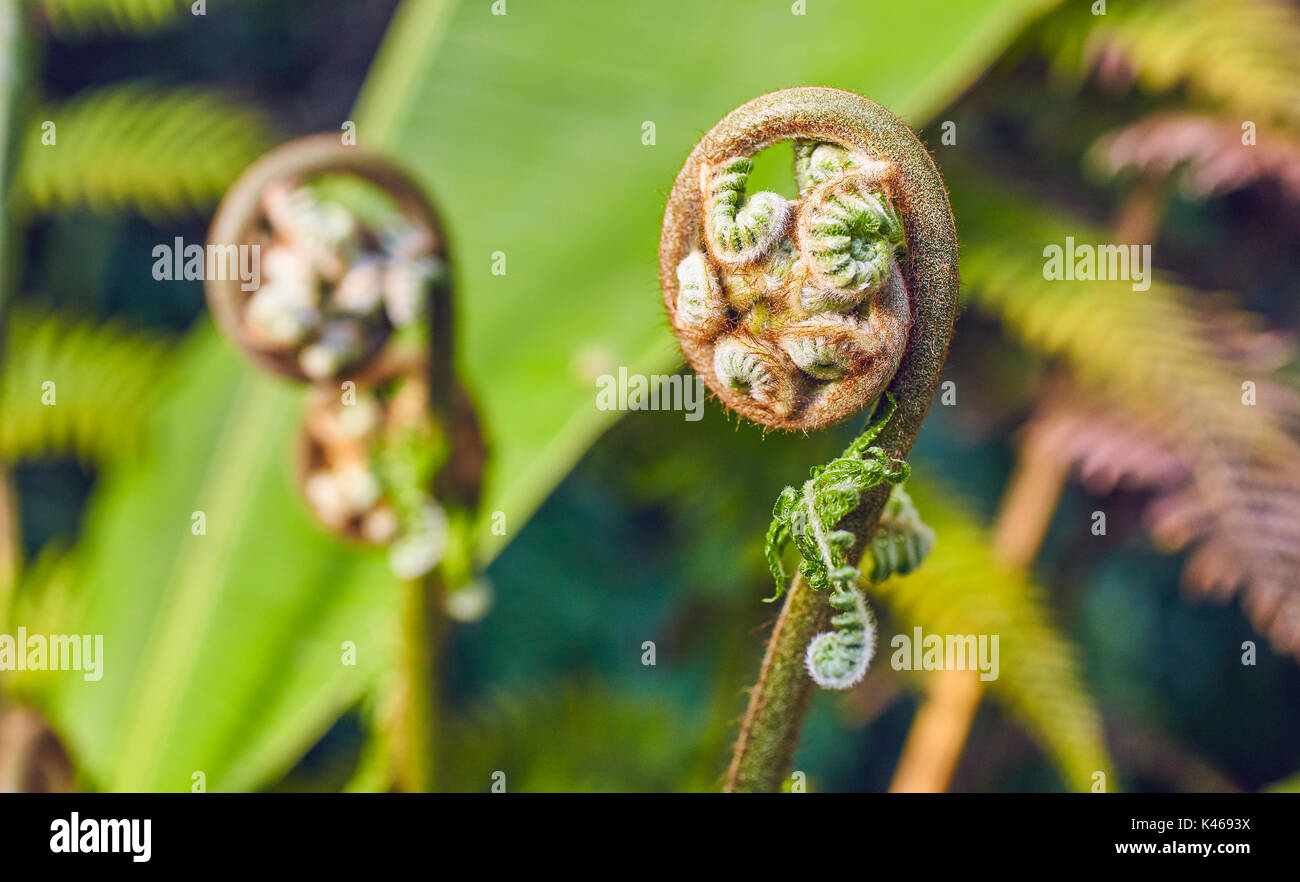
528	127
222	652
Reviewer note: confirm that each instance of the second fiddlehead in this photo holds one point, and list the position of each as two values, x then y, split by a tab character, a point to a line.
353	257
355	277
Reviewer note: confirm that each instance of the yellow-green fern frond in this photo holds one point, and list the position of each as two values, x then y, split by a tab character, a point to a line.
961	589
70	386
1239	54
157	151
1150	349
79	18
44	600
1286	785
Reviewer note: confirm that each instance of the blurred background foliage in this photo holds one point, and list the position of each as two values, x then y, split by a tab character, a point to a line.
223	650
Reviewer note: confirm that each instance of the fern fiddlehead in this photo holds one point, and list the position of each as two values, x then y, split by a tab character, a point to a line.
335	284
339	282
798	314
806	294
390	453
367	469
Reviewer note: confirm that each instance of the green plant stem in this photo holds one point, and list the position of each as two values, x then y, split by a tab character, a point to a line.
414	741
16	53
10	543
769	732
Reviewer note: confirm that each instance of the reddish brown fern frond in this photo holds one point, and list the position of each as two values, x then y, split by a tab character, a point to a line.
1232	504
1207	154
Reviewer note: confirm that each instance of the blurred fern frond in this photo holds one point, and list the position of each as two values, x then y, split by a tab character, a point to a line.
1150	349
1238	54
1239	514
45	597
161	152
581	737
79	18
1151	352
1286	785
962	589
1206	154
104	382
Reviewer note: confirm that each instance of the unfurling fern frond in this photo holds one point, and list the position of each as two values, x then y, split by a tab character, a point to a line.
79	18
794	312
962	589
1237	54
157	151
807	517
901	541
69	386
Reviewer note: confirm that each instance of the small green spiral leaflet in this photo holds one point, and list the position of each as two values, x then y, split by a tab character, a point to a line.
853	237
407	462
901	541
742	228
806	517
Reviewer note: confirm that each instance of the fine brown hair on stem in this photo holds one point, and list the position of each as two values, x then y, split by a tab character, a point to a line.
890	159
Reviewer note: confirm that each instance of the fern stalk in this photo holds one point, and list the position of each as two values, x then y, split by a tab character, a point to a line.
938	734
778	702
415	697
10	540
15	50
